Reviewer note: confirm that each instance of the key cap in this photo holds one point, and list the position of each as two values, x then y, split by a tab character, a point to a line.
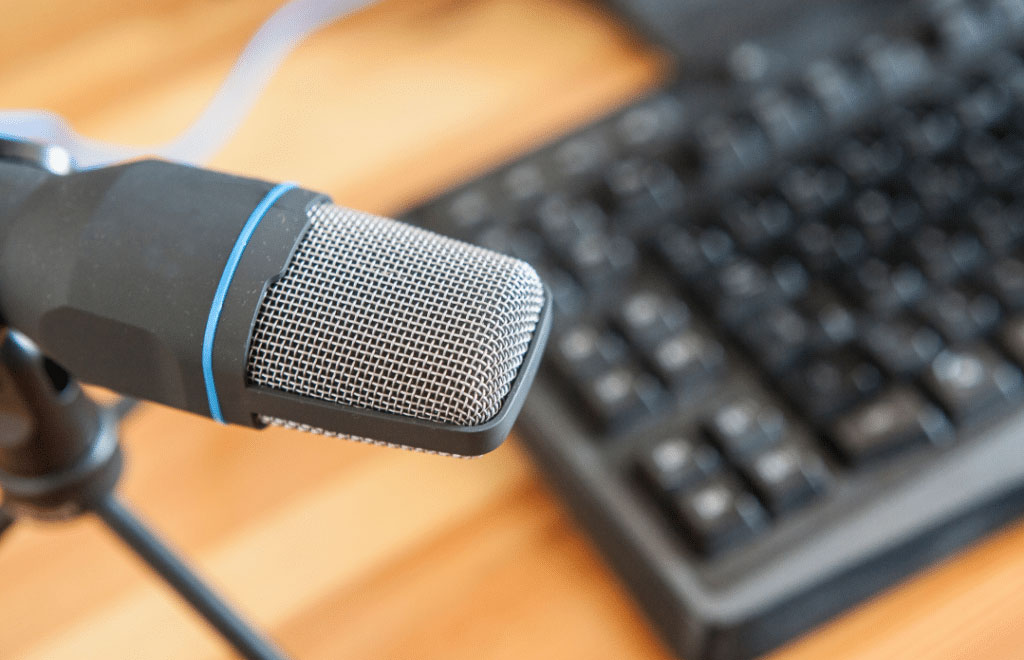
826	249
841	91
740	289
884	219
643	194
899	67
885	288
678	463
896	420
719	516
687	360
757	224
582	157
999	225
731	146
598	261
830	384
583	351
777	337
813	190
900	345
834	325
1005	278
942	187
945	257
745	427
787	476
929	133
620	395
960	315
647	317
787	119
652	124
563	220
996	162
972	382
690	255
871	159
524	182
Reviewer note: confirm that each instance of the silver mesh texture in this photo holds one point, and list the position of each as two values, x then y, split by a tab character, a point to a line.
306	428
380	315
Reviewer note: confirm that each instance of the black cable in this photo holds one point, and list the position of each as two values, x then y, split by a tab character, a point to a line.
246	640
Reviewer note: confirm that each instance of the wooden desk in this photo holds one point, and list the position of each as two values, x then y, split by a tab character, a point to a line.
342	550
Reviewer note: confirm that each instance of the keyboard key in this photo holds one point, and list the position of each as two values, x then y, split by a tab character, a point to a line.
901	346
719	516
841	91
999	225
739	290
1005	278
745	427
647	318
758	224
690	255
620	395
813	190
871	160
898	67
972	382
825	248
946	257
787	476
583	351
652	124
896	420
788	120
960	315
929	133
562	220
942	187
833	383
582	157
677	463
687	360
834	324
777	337
885	288
731	146
599	261
643	194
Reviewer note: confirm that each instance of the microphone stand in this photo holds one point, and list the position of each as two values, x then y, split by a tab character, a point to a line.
60	457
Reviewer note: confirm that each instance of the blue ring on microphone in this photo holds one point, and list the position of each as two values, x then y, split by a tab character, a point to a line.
222	291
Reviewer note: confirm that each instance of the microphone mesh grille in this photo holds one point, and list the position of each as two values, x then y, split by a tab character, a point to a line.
380	315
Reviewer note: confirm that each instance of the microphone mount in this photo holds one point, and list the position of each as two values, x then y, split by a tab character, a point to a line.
61	457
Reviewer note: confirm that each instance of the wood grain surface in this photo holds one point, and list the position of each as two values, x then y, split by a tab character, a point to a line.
343	550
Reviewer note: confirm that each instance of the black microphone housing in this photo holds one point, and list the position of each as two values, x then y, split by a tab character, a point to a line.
113	272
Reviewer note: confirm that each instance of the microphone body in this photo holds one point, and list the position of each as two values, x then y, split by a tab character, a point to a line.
256	303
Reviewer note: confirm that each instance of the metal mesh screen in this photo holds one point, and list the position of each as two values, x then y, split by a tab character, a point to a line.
377	314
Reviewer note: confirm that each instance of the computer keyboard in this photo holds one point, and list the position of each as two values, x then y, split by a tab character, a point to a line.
786	363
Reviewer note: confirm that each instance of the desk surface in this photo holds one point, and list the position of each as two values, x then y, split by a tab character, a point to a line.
343	550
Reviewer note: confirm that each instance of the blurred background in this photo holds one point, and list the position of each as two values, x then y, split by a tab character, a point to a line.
342	550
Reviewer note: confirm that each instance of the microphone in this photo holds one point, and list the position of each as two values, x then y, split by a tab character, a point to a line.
261	304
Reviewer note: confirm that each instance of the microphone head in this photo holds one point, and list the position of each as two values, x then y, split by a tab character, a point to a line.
257	304
381	316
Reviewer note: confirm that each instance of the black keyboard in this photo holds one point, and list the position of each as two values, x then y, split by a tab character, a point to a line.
786	364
